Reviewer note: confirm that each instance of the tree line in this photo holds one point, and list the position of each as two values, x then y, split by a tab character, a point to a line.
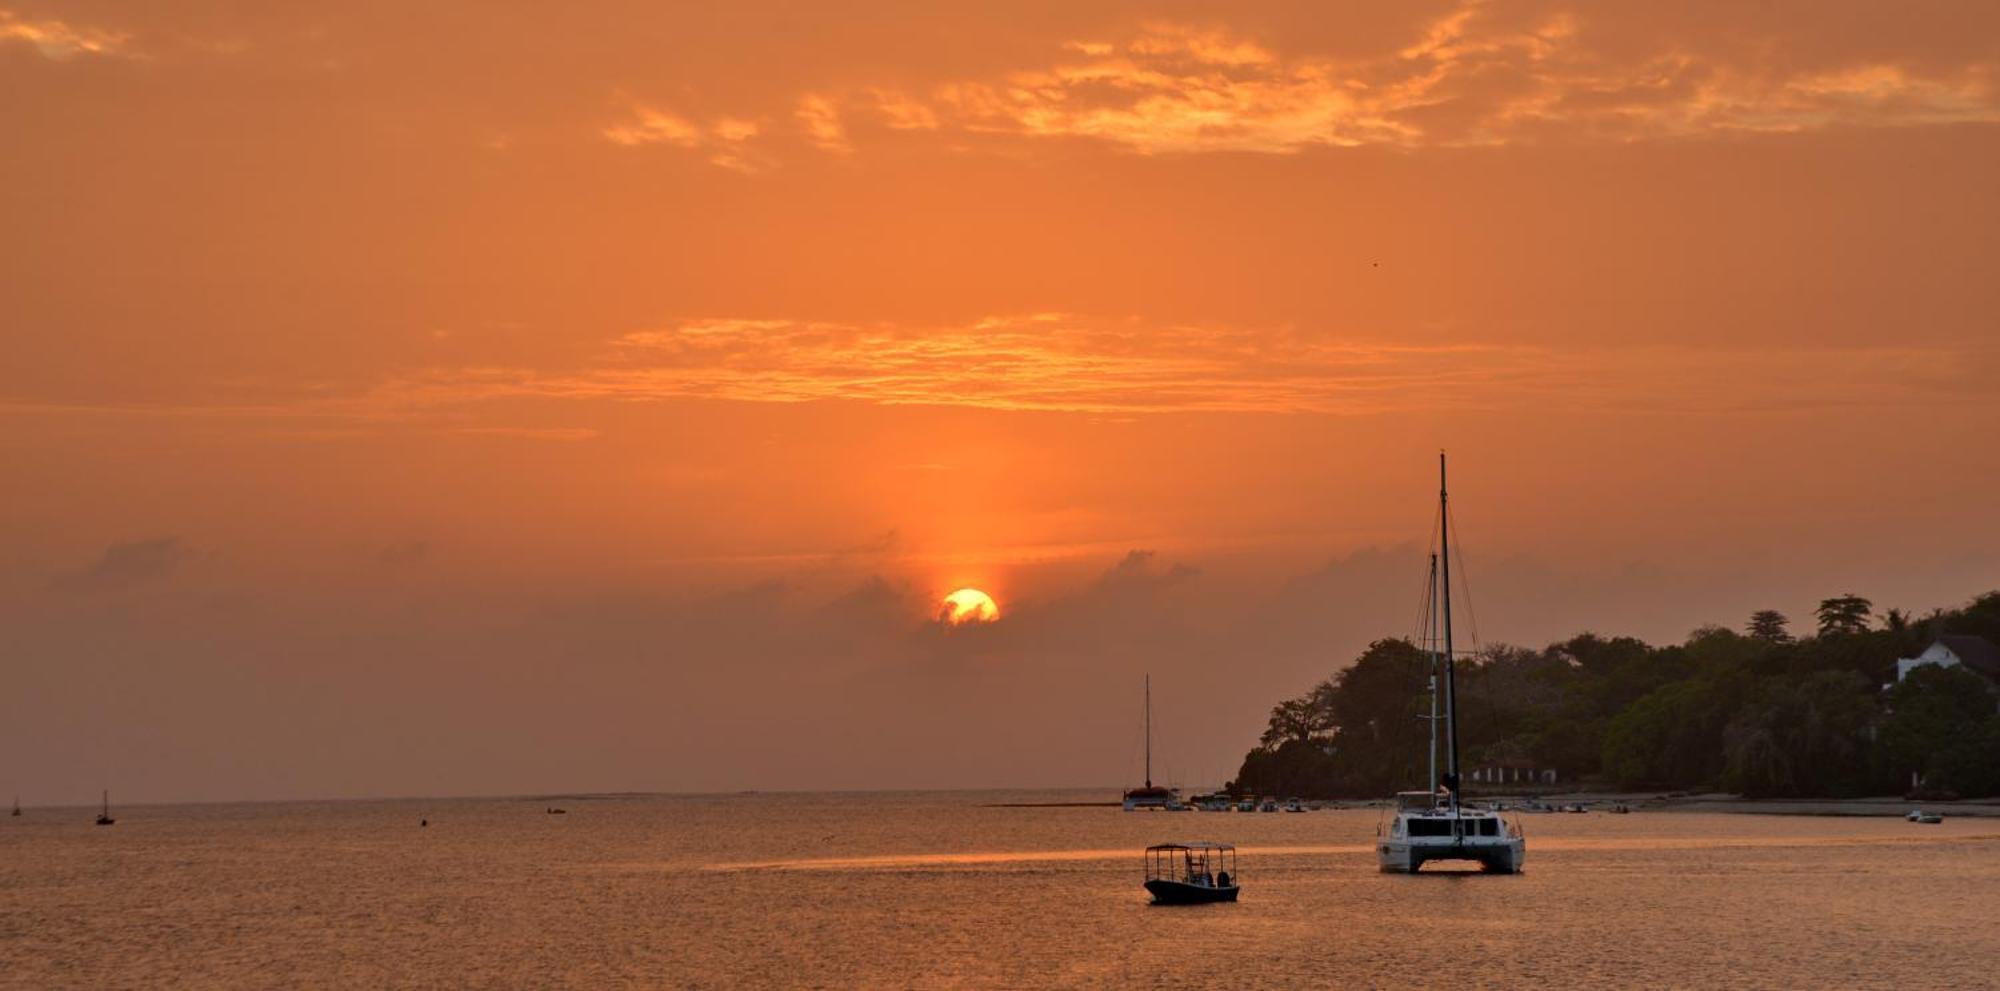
1760	712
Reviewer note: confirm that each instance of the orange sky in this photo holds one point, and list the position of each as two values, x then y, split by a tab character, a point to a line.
492	398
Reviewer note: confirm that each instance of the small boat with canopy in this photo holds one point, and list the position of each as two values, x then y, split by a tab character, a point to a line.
1191	873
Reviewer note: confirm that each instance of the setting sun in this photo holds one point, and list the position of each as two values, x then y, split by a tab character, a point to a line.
969	605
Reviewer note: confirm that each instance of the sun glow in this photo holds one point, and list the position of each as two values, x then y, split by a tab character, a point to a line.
969	605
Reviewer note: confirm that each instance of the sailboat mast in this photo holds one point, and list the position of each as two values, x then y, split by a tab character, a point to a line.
1430	643
1149	731
1450	677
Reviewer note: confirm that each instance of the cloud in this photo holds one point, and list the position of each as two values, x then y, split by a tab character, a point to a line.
60	40
725	140
132	563
821	120
1057	362
1065	362
1479	75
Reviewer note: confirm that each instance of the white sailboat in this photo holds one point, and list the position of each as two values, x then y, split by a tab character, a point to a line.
1436	824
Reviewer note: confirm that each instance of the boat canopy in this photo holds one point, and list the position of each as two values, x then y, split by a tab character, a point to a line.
1199	845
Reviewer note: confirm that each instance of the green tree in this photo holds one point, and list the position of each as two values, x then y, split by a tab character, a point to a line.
1670	738
1844	614
1935	731
1299	720
1805	736
1769	625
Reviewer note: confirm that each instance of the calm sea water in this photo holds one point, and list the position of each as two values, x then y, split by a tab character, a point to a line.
937	890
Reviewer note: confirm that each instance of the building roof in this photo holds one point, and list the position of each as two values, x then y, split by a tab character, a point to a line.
1977	653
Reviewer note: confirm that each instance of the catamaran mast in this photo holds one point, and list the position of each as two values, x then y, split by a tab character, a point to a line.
1430	645
1451	779
1149	731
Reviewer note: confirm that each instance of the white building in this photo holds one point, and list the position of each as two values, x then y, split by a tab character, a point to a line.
1975	653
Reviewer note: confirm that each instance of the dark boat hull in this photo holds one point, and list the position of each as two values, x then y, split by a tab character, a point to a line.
1178	893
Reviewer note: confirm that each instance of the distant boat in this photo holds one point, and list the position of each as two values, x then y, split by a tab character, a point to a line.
17	805
1435	824
1191	873
1294	805
104	815
1151	796
1927	818
556	811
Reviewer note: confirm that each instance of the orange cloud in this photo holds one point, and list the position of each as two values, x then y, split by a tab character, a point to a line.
1058	362
821	120
60	40
726	140
1470	78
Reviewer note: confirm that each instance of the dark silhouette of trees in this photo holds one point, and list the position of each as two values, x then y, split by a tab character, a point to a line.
1760	712
1844	614
1941	732
1769	624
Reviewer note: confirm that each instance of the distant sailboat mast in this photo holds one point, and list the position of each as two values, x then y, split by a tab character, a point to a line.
1149	730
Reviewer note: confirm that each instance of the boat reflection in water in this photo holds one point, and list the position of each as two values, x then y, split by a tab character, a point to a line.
1191	873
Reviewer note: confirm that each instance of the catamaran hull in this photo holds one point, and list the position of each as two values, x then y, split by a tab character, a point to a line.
1177	893
1398	857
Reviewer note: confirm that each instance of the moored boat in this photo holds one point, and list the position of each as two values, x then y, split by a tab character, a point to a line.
1191	873
1150	795
1437	825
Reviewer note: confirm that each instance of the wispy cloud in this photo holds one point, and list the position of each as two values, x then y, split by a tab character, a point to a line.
821	120
1055	362
724	140
1474	76
60	39
1060	362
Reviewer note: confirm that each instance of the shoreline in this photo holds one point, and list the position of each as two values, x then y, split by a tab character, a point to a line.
1889	806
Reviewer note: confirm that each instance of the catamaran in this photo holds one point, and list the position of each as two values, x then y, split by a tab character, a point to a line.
1437	824
1151	796
104	815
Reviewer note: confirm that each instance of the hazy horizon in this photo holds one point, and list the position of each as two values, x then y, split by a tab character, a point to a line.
477	400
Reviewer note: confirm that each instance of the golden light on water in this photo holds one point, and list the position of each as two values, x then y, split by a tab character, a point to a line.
969	605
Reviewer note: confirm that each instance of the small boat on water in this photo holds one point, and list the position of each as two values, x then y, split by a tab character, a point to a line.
1927	818
104	815
1191	873
1247	805
1150	795
1294	805
1270	805
17	805
552	810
